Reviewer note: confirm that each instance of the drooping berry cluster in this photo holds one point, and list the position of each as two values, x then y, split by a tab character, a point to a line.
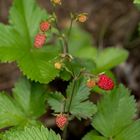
40	38
61	120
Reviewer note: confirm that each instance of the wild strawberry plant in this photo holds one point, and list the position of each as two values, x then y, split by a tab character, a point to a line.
45	52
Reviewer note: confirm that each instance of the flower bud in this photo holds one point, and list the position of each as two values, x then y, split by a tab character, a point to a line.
82	17
58	65
56	2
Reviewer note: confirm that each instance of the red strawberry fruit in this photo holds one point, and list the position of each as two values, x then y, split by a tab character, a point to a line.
44	26
61	120
39	40
105	82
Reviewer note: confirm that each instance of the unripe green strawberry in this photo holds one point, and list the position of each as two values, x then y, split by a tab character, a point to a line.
39	40
61	120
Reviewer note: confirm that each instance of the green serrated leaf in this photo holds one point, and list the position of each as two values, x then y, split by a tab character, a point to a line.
27	104
25	16
84	109
30	97
93	135
10	43
64	75
109	58
39	65
21	93
56	101
81	92
32	133
16	42
115	112
132	132
80	106
10	113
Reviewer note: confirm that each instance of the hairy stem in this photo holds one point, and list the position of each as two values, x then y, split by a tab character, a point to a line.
65	47
63	44
89	74
64	135
70	28
74	85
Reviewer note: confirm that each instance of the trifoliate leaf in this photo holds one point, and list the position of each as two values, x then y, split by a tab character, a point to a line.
31	97
17	39
80	106
93	135
56	101
109	58
115	112
76	101
32	133
132	132
27	104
